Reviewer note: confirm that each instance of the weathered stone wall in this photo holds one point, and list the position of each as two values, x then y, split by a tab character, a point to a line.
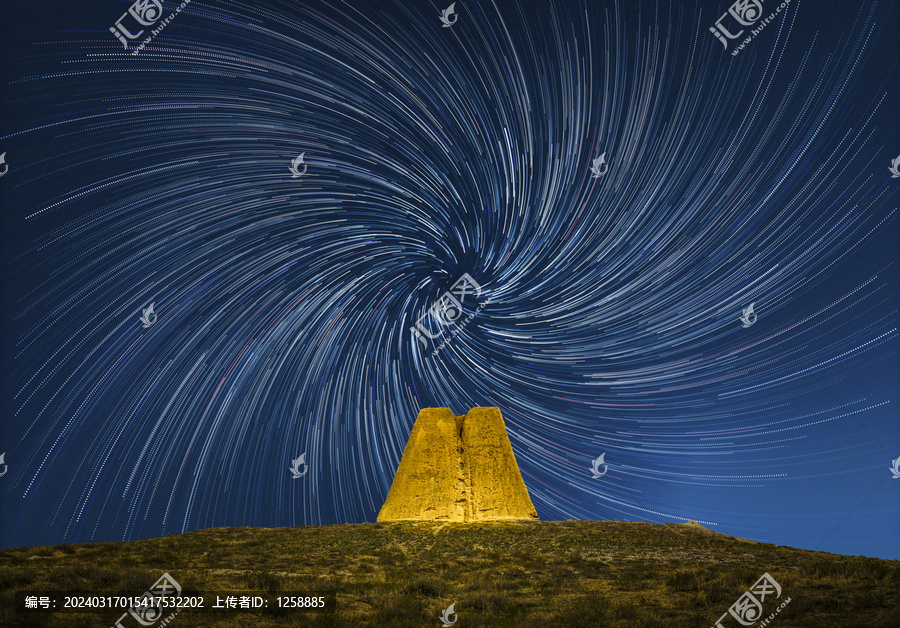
458	468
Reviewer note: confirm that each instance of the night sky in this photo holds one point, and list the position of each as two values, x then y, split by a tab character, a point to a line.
451	183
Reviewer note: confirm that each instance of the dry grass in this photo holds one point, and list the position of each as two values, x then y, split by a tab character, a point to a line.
534	574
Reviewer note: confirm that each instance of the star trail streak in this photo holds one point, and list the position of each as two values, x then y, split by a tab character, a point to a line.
611	300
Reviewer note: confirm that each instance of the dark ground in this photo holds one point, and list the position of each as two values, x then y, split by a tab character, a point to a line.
531	574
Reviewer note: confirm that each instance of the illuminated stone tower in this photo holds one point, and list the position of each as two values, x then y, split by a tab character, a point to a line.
458	468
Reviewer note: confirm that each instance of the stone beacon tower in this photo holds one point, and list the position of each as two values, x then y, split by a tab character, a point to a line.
458	468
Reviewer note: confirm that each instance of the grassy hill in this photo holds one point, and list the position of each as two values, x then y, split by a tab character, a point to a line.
542	574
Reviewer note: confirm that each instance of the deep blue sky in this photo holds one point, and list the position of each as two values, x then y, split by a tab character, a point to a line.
608	316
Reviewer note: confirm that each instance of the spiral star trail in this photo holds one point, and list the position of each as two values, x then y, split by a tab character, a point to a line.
610	311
